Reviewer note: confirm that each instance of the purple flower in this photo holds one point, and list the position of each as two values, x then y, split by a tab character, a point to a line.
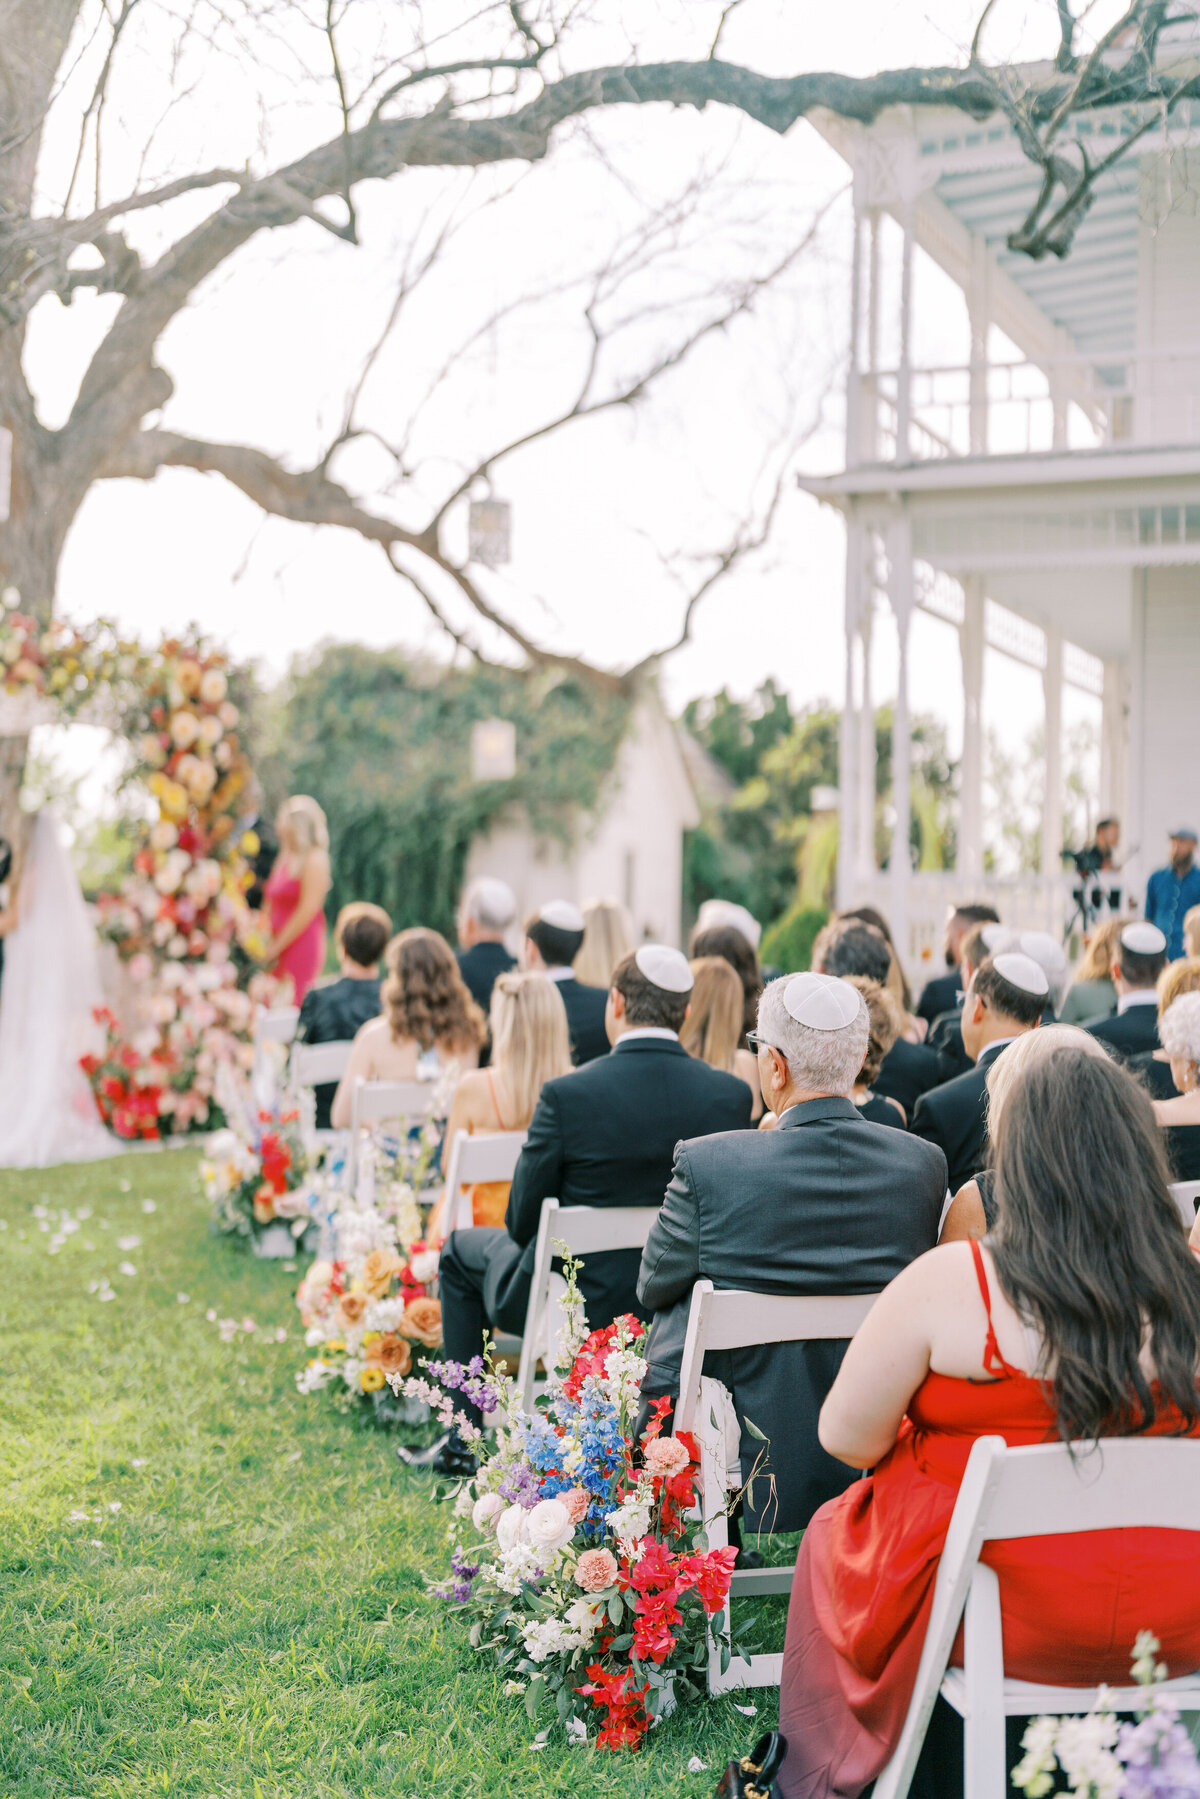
458	1591
522	1486
1160	1762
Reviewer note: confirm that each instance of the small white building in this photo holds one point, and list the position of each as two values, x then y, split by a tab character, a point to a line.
1040	494
630	848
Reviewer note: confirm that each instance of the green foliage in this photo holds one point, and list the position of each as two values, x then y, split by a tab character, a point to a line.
383	742
788	943
764	847
251	1621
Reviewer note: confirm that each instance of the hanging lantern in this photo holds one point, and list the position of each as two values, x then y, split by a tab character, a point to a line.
490	532
493	750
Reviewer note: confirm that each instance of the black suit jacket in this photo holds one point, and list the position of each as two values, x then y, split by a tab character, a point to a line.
825	1203
939	995
585	1020
605	1135
909	1069
1128	1033
945	1040
334	1014
954	1116
1155	1076
479	967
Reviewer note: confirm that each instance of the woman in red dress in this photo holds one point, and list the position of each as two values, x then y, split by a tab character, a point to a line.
1079	1318
295	894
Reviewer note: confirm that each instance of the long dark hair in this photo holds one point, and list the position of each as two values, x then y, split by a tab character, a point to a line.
1090	1248
732	947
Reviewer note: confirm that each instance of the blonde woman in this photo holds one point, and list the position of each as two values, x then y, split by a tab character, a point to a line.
607	938
972	1209
712	1030
427	1013
1091	994
530	1046
295	894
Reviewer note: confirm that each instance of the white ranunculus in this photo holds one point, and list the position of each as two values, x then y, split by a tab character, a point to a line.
486	1511
549	1525
424	1265
512	1528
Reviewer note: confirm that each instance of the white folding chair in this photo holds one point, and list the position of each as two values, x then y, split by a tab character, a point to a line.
586	1230
315	1065
276	1024
733	1319
402	1103
1125	1484
477	1157
1185	1194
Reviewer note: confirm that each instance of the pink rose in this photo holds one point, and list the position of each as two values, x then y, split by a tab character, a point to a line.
666	1456
577	1502
595	1570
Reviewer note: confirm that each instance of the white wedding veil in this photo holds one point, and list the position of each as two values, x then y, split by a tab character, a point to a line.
51	984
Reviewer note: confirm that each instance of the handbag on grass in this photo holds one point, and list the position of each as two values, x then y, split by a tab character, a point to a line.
754	1775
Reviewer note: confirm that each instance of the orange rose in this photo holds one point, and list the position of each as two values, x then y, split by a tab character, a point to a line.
264	1205
351	1307
422	1321
379	1270
391	1353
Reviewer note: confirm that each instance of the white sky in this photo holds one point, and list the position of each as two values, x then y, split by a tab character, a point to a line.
270	346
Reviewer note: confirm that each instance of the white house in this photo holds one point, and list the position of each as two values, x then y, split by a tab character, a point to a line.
1040	495
629	849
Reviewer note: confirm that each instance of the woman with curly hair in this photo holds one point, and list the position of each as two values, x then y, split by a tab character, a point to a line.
427	1014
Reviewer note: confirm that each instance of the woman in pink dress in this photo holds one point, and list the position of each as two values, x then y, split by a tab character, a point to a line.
295	895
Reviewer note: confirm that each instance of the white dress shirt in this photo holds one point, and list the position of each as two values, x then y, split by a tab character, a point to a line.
1137	996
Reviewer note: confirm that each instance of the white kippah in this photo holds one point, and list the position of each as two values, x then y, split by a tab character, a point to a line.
717	912
562	915
1045	950
994	935
666	968
1143	938
821	1001
1021	971
496	898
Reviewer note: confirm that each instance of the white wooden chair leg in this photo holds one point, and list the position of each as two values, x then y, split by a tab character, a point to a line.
535	1316
984	1771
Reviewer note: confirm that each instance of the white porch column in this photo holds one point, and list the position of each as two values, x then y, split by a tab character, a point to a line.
864	858
1052	808
904	376
1114	749
978	314
970	811
854	385
1137	853
848	729
900	594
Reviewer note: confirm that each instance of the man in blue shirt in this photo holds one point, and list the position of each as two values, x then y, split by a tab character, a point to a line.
1174	890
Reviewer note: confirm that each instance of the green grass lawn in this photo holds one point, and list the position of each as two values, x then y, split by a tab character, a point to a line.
210	1585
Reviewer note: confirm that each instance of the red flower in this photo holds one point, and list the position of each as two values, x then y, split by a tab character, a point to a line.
654	1568
128	1056
626	1721
709	1575
113	1088
593	1352
653	1639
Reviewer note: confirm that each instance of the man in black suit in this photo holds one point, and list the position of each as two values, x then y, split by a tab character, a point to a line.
604	1135
335	1011
824	1203
1005	999
1138	959
552	940
945	1033
908	1069
488	908
944	992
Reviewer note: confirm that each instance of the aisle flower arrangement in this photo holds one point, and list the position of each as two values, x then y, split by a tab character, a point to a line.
1102	1759
367	1306
255	1177
574	1551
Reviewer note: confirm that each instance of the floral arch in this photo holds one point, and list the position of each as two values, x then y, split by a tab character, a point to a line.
184	935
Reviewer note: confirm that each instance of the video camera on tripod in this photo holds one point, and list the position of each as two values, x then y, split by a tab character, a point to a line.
1091	897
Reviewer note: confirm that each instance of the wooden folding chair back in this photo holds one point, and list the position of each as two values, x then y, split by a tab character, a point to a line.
474	1159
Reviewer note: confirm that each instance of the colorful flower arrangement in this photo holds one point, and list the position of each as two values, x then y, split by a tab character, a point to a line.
255	1179
181	914
1101	1759
574	1550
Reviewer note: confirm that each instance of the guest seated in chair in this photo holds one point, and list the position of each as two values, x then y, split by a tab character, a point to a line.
485	912
1179	1119
336	1011
824	1203
530	1046
429	1021
603	1135
908	1069
1152	1067
1079	1319
1139	957
553	938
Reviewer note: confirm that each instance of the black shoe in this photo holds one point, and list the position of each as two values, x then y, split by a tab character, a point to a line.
447	1457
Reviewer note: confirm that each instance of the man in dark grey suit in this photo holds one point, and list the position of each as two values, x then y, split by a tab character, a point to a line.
824	1203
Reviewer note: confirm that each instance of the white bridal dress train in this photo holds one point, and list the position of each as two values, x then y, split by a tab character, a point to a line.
51	983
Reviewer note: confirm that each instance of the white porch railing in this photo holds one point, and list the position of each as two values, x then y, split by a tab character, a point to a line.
1024	902
1014	408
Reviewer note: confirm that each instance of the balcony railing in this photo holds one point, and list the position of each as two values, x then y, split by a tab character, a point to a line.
1014	408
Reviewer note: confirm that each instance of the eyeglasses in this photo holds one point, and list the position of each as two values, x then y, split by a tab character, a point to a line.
756	1042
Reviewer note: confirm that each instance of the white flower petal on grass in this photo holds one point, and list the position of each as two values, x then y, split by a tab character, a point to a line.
79	1517
106	1293
134	1242
126	1268
695	1765
114	1505
211	1315
95	1543
249	1325
747	1711
139	1461
280	1334
125	1186
84	1212
148	1205
182	1299
576	1730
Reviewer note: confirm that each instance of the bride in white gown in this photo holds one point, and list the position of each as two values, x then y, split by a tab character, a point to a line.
51	984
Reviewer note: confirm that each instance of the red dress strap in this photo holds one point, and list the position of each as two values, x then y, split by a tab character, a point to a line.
495	1101
993	1361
